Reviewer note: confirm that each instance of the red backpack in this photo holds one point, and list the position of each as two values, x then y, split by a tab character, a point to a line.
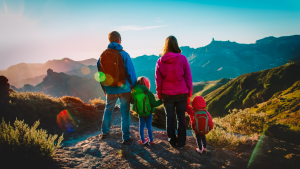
201	119
112	66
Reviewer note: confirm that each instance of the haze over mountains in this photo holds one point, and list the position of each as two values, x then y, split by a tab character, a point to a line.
31	73
61	84
219	59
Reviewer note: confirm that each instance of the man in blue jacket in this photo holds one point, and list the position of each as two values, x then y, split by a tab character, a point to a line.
123	93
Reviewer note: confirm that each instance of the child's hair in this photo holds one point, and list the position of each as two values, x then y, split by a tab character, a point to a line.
143	81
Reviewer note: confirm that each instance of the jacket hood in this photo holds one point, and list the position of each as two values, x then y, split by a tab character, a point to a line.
139	89
170	57
115	45
198	103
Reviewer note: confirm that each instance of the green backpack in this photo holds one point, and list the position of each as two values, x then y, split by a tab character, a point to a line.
142	104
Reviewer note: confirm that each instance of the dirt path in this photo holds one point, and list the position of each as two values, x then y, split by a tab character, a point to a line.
88	151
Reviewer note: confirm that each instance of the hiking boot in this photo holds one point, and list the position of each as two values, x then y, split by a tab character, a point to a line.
127	142
145	141
198	150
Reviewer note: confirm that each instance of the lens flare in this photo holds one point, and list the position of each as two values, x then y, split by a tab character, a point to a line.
102	76
97	76
65	121
124	86
85	70
120	84
109	80
257	149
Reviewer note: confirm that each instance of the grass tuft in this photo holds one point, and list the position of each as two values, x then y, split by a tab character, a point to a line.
26	145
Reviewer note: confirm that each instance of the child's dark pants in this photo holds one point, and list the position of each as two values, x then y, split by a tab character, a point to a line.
200	139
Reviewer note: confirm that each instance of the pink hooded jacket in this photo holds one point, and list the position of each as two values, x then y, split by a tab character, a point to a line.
173	75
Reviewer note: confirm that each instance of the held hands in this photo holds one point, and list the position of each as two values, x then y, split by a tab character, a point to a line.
188	104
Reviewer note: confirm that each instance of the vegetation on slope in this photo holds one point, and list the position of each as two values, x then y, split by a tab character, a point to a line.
250	89
32	107
279	117
204	88
23	146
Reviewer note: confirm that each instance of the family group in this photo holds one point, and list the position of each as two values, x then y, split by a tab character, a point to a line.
173	86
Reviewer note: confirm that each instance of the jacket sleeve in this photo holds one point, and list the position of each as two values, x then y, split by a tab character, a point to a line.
129	69
158	80
191	113
188	77
210	122
152	100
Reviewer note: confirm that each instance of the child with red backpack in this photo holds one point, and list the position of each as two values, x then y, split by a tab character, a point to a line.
201	121
144	104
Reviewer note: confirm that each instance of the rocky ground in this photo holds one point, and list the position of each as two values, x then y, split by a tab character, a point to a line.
89	151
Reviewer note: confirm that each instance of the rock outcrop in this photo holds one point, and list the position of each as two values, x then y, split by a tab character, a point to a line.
4	89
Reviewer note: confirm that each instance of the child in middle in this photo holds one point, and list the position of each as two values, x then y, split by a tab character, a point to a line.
143	86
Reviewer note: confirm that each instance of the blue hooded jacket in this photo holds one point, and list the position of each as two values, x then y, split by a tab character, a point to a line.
128	68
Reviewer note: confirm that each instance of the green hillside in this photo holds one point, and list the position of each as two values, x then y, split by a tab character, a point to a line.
284	106
250	89
279	117
204	88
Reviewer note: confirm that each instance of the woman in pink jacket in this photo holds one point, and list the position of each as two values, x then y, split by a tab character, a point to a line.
174	86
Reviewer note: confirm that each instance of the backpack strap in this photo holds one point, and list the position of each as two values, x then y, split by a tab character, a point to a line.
126	74
101	83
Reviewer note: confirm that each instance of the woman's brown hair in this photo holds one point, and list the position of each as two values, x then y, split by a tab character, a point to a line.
171	45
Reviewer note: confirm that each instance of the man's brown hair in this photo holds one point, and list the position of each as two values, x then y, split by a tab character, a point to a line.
171	45
114	36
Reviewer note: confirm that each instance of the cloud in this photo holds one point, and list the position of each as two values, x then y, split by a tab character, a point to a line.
137	28
213	33
159	20
5	7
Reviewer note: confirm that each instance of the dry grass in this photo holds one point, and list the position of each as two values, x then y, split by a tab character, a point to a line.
70	99
242	121
97	101
221	138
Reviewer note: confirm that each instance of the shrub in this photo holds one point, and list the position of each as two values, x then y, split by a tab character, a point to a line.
159	117
97	101
221	138
26	146
70	99
242	121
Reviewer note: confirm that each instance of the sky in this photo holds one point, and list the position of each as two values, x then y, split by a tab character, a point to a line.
37	31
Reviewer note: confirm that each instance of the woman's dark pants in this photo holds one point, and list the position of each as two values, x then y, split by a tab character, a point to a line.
175	104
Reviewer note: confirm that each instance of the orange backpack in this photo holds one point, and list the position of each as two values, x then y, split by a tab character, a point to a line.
112	66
